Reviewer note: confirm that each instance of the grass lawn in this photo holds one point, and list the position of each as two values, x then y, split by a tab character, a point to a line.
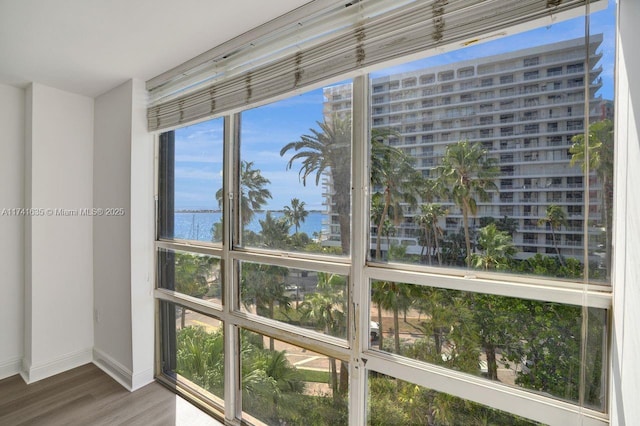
314	376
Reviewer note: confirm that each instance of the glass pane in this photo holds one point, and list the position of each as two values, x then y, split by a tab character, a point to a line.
191	182
601	146
531	344
285	384
309	299
193	349
393	402
295	173
471	154
193	274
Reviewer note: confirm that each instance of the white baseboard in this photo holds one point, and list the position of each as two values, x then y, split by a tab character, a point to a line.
10	367
142	379
32	373
113	368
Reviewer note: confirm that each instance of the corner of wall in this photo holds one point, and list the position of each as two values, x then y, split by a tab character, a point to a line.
142	238
12	228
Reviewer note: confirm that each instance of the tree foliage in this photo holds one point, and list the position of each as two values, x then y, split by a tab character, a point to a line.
395	181
253	192
273	390
555	218
296	213
328	151
600	160
496	248
467	176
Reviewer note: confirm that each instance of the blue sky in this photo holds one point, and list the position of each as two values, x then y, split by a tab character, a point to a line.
265	130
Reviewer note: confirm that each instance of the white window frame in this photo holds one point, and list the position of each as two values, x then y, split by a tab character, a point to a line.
356	348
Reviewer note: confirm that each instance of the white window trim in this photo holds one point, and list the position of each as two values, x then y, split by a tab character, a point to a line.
356	349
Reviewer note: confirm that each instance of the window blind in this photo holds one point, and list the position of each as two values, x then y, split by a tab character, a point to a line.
362	38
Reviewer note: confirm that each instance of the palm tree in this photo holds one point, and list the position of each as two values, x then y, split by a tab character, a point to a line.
555	217
428	218
328	151
274	232
393	173
296	213
496	248
263	286
601	161
253	194
192	274
391	296
466	174
327	308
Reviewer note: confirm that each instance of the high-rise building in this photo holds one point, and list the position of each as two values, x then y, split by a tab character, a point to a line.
524	107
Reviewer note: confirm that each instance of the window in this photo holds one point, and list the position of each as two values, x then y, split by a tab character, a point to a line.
485	82
575	68
409	82
427	103
274	249
427	79
529	62
465	72
506	118
486	94
504	79
504	105
506	131
486	107
553	140
507	92
446	75
574	125
575	82
531	128
552	72
192	200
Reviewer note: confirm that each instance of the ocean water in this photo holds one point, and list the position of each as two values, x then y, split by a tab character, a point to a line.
199	226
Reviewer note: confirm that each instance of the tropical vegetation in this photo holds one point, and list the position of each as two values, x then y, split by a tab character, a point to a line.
538	344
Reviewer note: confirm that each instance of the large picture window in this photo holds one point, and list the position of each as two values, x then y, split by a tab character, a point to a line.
425	242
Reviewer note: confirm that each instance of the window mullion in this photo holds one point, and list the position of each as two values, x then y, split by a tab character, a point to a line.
359	213
232	394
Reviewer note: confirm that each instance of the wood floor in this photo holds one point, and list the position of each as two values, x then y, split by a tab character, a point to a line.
86	396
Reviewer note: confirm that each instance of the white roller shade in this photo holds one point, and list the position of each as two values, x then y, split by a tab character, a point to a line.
366	34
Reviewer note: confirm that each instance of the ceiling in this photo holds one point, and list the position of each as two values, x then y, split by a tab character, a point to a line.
90	46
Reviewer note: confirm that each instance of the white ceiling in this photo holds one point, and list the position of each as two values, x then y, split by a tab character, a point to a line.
90	46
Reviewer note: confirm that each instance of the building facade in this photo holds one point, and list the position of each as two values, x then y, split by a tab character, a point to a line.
524	107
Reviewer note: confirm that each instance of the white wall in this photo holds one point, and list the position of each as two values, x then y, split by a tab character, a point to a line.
58	249
123	246
625	376
11	229
142	240
112	234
